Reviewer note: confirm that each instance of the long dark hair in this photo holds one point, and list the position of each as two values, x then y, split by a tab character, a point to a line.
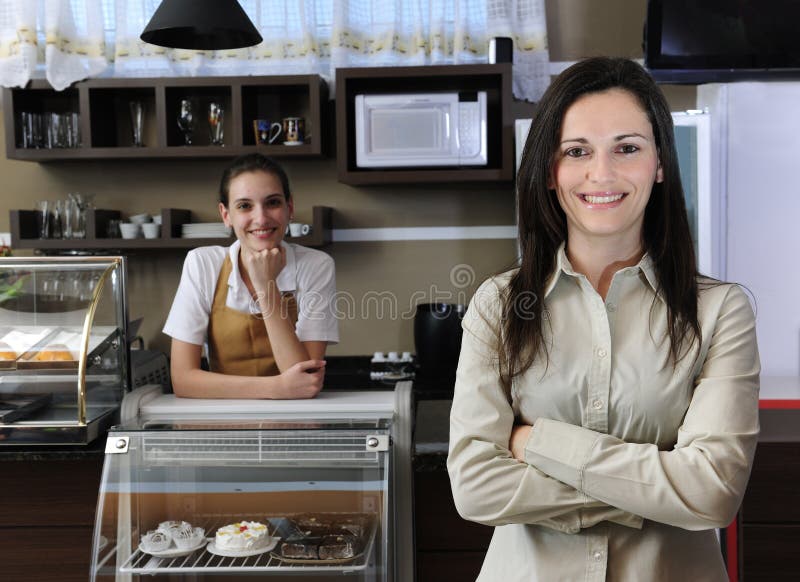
252	163
543	226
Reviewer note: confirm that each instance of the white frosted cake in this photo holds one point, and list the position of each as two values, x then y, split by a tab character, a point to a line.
243	535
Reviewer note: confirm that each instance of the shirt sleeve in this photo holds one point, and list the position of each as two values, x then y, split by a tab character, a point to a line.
490	486
188	318
316	320
698	484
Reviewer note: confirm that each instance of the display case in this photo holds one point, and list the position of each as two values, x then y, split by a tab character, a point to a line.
284	490
64	359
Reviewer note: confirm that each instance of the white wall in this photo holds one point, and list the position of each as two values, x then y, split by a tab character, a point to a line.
760	134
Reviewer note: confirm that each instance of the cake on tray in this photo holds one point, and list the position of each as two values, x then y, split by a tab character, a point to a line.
242	536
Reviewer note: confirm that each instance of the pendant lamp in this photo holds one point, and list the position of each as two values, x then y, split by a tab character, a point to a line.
201	25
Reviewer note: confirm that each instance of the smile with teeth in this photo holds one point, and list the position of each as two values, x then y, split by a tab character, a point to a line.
604	199
262	231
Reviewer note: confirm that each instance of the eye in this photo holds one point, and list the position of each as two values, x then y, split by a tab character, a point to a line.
275	202
628	148
575	152
243	206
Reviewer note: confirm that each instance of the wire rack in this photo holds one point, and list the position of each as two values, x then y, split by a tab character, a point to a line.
202	561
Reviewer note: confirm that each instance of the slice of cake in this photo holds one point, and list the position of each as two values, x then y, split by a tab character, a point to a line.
242	536
54	353
339	547
6	352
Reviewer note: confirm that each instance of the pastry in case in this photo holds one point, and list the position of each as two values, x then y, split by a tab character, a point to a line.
242	535
53	353
326	536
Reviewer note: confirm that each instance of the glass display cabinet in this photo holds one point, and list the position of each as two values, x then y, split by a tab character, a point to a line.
310	495
64	360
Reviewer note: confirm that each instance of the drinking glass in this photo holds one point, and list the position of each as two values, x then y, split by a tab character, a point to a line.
43	218
216	115
57	228
33	134
137	122
186	120
79	206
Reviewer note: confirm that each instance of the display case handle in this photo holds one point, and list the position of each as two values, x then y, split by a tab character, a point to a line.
87	326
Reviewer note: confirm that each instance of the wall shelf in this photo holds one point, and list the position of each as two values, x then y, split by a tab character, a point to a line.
494	79
104	120
24	233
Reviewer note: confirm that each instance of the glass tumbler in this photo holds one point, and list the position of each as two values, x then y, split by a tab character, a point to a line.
137	122
216	116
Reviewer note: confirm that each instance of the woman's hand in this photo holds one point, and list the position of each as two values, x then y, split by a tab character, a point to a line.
263	267
519	436
303	380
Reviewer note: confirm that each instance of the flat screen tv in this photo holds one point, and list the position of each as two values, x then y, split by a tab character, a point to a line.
706	41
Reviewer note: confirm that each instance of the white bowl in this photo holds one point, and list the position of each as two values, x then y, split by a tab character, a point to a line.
140	218
129	230
157	218
151	230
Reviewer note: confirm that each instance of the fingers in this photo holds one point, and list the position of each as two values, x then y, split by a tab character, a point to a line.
310	366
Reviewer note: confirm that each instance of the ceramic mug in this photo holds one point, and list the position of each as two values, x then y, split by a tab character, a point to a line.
294	130
299	229
266	132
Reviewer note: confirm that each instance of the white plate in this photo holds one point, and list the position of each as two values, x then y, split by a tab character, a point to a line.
212	548
293	143
174	552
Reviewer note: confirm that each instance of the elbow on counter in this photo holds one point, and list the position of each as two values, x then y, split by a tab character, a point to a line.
182	389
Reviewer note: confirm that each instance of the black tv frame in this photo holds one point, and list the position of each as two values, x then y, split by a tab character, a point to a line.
698	69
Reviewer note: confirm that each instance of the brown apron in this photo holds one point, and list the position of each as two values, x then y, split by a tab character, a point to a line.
238	341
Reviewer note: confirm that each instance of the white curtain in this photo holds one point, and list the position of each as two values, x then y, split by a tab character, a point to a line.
69	40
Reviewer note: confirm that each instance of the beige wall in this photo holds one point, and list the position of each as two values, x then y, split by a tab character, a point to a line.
366	272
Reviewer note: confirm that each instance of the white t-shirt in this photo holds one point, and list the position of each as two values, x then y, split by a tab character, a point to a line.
308	273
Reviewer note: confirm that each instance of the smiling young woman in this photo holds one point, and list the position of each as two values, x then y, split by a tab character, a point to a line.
607	427
262	305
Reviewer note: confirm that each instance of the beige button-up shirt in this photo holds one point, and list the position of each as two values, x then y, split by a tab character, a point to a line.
631	462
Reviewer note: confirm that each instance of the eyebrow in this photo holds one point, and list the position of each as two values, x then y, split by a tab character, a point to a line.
269	196
616	138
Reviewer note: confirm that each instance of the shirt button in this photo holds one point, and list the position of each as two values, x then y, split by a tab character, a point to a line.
597	404
598	555
601	353
611	307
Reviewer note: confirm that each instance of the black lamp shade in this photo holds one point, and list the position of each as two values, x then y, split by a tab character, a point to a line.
201	25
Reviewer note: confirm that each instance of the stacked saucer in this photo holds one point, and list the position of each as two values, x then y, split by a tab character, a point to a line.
205	230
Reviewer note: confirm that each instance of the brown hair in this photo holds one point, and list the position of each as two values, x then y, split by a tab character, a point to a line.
252	163
543	227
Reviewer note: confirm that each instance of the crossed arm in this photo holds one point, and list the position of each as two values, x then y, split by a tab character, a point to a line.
571	477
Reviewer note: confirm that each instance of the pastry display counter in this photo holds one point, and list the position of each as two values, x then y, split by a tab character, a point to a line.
64	359
315	489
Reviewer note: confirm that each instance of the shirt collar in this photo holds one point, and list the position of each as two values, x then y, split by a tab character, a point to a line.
564	267
287	278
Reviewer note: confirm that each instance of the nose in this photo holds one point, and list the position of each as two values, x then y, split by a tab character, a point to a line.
601	168
259	213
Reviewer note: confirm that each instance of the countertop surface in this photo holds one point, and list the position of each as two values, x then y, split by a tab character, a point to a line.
433	398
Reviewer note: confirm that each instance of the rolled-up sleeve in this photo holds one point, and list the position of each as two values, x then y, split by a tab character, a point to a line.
490	486
698	484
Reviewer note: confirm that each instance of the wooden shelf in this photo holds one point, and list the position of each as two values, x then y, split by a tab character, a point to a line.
105	126
24	233
494	79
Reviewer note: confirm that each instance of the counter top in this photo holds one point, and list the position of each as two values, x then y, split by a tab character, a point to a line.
780	392
53	452
431	434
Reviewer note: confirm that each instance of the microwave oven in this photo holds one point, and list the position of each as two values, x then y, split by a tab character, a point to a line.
421	129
